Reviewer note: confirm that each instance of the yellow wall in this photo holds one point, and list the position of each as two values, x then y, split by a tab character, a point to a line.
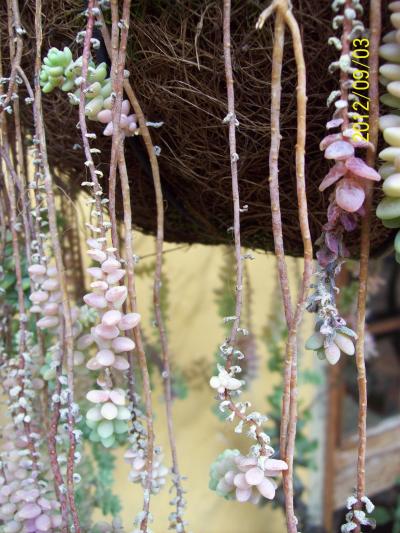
195	331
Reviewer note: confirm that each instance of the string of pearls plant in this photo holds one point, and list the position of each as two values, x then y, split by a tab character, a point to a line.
388	209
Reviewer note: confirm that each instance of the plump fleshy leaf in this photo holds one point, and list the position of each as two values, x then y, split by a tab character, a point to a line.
335	173
350	195
359	168
349	221
339	150
329	139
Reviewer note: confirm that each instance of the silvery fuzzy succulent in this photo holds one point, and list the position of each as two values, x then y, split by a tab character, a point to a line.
331	336
137	459
358	517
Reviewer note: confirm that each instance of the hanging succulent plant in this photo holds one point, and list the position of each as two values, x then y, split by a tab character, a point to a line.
350	175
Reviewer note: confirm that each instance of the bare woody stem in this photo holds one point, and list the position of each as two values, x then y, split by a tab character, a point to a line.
20	171
231	118
117	156
276	90
130	263
232	121
67	341
144	130
118	53
16	57
21	182
96	188
236	207
291	351
374	41
289	415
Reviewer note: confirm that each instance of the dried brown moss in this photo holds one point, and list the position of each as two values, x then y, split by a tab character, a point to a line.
176	65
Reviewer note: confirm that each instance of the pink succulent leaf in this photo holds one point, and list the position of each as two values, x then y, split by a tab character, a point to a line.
111	318
243	495
254	476
272	473
108	130
93	364
110	265
358	167
329	139
349	221
336	172
95	300
244	463
118	396
267	489
29	510
339	150
98	396
350	195
240	481
123	121
115	276
335	123
229	477
275	464
104	116
106	332
125	107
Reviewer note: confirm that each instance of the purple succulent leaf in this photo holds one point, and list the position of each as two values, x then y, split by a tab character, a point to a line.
332	242
360	169
333	215
329	139
339	150
335	123
349	221
335	173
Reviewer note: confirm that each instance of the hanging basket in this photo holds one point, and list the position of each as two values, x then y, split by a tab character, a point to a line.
175	59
